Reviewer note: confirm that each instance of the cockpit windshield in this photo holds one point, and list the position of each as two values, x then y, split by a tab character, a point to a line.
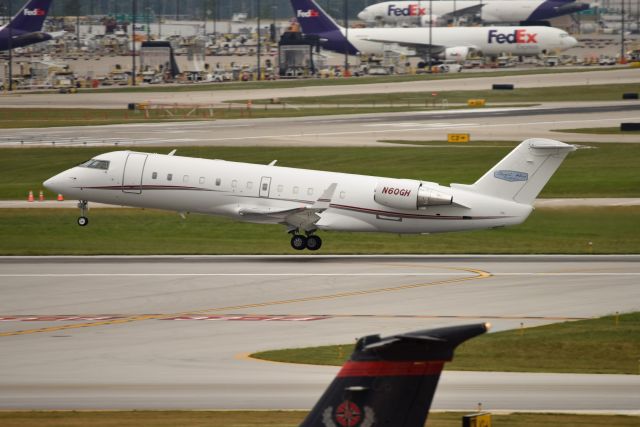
95	164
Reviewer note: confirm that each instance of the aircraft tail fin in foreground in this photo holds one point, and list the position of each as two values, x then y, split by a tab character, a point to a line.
31	17
390	381
522	174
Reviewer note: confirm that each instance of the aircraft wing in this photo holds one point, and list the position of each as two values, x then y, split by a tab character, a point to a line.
471	10
421	49
303	217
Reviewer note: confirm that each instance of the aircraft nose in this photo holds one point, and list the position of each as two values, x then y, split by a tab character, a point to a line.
571	41
363	15
55	184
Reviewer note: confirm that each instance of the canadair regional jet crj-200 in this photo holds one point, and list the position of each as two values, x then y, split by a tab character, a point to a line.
305	201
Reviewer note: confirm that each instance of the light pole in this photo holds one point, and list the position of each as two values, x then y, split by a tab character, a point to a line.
259	45
346	38
10	46
622	34
430	31
134	8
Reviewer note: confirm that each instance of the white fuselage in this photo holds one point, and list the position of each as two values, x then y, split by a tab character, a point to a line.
516	40
414	12
232	189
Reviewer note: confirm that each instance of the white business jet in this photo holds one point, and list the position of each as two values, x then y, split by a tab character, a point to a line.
306	201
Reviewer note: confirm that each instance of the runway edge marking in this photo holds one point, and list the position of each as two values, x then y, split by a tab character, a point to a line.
479	274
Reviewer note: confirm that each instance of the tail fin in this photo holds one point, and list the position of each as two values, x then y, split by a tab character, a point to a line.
389	382
31	17
522	174
315	21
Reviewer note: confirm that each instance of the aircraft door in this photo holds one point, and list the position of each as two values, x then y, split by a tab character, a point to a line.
133	168
265	186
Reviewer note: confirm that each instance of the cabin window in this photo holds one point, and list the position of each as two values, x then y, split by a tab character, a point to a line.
169	176
310	191
265	186
249	185
296	190
202	180
218	182
234	183
280	188
185	179
154	175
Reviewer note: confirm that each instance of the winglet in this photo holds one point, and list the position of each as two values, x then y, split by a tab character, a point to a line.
324	200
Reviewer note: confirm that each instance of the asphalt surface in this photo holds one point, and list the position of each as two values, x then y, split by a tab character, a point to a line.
514	124
171	332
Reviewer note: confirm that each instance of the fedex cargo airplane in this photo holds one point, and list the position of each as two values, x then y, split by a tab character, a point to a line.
307	201
25	27
390	381
448	43
490	11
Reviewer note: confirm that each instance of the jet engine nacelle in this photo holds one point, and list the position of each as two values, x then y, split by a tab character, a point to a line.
409	194
457	53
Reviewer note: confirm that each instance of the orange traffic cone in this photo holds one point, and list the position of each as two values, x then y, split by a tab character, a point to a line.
30	198
60	198
41	196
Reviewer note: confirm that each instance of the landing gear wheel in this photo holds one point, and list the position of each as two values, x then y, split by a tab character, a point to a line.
314	242
298	242
83	205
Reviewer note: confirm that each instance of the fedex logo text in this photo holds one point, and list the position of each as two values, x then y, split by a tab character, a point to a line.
411	10
34	12
518	37
396	191
311	13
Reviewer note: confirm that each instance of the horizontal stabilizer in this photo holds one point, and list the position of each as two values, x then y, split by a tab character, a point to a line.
522	174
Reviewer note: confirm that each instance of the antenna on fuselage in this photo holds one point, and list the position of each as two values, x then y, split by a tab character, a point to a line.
172	153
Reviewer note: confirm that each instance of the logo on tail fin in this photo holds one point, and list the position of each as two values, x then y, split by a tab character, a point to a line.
311	13
511	176
348	414
34	12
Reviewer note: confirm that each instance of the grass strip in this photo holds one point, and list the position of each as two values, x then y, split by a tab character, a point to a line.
608	92
610	170
600	131
277	419
547	231
607	345
293	83
13	118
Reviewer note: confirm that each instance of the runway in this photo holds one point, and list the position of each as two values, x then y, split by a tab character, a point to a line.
172	332
514	124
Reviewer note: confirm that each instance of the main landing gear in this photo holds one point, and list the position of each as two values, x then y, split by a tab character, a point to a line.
83	220
311	242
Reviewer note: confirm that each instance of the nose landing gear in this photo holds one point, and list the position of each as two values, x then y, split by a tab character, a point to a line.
311	242
83	206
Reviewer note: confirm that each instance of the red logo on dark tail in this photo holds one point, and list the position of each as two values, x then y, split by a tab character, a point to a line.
348	414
